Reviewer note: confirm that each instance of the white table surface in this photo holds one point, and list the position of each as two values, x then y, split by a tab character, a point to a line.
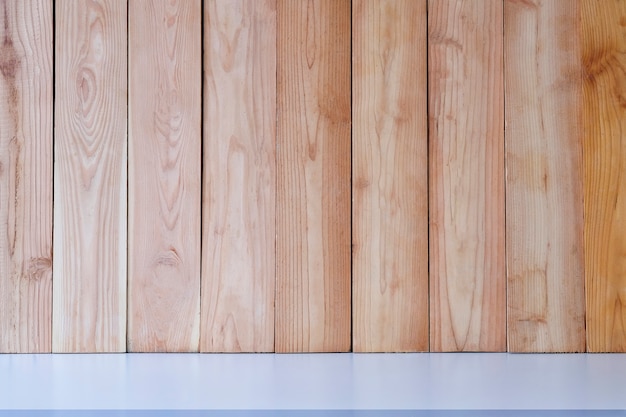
313	381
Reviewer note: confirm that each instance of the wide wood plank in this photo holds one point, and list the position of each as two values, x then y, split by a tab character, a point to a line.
165	59
544	204
238	251
25	176
389	176
313	176
89	291
604	152
466	170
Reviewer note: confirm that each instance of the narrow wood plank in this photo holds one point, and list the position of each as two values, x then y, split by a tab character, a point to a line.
89	291
25	176
313	176
466	176
604	152
544	203
389	176
238	251
165	59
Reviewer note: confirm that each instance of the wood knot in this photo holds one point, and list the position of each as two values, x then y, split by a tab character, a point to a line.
38	268
85	82
168	258
9	60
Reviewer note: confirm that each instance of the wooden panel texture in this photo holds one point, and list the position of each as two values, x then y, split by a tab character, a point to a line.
389	176
25	176
466	176
89	291
604	152
313	176
165	148
544	231
238	269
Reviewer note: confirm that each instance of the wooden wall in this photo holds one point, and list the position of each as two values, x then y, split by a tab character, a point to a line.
312	176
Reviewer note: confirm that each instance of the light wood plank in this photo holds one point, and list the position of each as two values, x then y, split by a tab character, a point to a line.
25	176
604	153
165	61
238	251
313	176
389	176
89	291
466	170
544	203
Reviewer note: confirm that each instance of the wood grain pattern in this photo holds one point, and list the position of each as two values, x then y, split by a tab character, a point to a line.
466	176
165	59
389	176
604	149
238	251
89	291
25	176
544	203
313	176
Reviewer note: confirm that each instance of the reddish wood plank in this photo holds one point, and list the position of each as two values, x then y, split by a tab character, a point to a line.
544	234
313	176
389	176
466	161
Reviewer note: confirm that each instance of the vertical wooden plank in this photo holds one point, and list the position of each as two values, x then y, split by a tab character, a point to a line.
604	148
165	59
389	176
89	291
239	128
466	170
544	203
313	176
25	176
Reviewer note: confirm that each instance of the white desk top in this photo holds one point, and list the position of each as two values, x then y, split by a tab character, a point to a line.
313	381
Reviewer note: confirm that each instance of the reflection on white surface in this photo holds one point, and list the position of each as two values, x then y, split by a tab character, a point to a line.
313	381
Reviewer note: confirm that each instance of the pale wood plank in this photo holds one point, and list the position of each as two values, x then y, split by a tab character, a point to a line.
25	176
238	251
544	203
389	176
604	154
89	291
466	169
165	146
313	176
